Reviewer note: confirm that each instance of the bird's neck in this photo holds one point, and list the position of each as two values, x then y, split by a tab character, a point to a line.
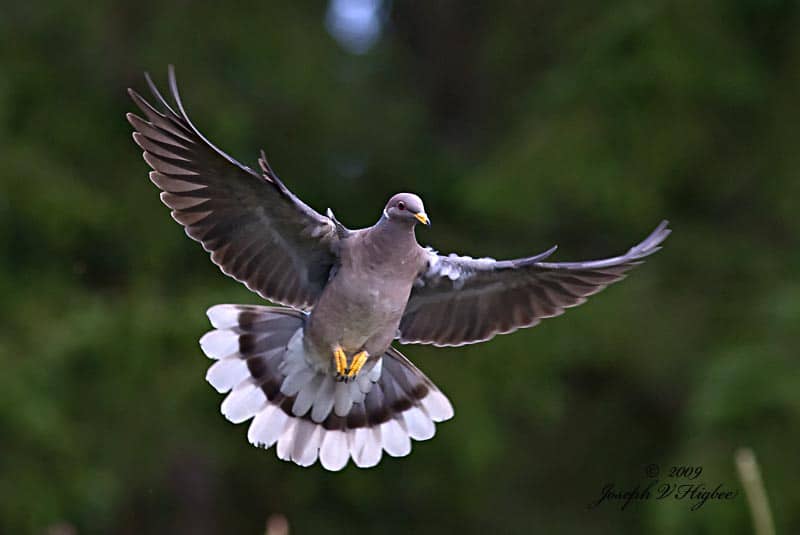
389	235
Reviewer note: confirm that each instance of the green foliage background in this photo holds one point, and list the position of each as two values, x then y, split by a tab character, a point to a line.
522	124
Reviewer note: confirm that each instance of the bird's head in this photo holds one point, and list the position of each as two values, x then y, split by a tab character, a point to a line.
406	207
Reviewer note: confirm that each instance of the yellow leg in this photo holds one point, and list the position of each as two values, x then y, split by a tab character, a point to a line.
340	360
359	359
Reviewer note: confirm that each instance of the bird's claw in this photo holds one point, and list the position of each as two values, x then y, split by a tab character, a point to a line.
359	359
340	361
345	373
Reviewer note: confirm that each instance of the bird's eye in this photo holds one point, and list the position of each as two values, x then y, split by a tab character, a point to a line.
401	205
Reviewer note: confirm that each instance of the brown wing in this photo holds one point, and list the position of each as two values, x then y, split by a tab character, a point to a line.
461	300
256	230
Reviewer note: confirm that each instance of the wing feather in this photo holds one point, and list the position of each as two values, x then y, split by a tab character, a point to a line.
257	231
462	300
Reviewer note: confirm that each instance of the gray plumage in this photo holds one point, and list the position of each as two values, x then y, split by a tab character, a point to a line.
352	290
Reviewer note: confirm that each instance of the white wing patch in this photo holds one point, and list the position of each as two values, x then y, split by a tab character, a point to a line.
454	267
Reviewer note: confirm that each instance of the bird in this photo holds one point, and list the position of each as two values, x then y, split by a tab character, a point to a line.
316	372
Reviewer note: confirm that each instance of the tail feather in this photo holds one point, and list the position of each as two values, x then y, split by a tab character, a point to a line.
296	404
333	452
267	426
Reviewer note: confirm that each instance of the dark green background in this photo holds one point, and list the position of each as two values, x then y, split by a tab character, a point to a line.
522	125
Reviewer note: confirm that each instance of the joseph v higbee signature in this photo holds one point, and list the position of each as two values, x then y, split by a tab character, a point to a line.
681	484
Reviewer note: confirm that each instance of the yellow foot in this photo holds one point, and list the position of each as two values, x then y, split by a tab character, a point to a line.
359	359
340	361
343	371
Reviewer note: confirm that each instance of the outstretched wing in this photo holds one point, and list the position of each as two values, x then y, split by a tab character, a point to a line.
256	230
461	300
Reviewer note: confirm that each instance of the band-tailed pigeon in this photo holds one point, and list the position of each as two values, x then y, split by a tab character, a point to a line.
319	376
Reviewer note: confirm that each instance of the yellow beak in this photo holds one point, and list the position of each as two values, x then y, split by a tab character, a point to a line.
423	218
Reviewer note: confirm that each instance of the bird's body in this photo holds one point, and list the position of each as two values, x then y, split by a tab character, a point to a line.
361	310
319	376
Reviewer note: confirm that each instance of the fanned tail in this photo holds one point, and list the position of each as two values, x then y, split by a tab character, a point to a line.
297	404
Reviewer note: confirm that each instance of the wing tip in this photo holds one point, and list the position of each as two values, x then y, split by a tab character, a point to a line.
653	242
139	100
173	88
266	169
539	257
131	118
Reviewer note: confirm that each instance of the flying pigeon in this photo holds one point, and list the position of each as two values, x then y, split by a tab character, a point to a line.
318	375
